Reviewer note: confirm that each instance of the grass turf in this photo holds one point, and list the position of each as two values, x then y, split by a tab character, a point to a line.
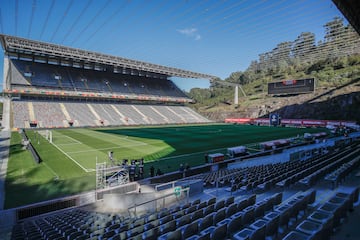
68	164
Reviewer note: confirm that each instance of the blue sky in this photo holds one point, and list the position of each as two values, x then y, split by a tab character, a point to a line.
215	37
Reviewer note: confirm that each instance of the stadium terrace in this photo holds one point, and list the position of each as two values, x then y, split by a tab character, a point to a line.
37	71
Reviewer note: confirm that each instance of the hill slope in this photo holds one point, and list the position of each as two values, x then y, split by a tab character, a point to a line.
337	93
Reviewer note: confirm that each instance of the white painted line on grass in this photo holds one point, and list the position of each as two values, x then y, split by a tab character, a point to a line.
134	145
189	154
94	150
108	148
126	138
70	158
51	170
73	139
66	144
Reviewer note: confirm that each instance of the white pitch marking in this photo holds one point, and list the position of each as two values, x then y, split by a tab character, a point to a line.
189	154
126	138
94	150
71	158
51	170
65	144
109	148
74	140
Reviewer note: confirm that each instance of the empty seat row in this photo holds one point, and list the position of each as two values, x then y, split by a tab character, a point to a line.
321	223
329	165
229	220
340	173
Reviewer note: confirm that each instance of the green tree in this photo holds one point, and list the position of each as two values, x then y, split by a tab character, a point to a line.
303	46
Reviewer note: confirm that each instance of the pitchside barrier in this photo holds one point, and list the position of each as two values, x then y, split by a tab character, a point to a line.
35	155
293	122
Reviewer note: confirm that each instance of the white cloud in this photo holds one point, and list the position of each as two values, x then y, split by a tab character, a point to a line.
190	32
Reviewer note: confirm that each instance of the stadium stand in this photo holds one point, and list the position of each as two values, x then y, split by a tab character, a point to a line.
50	81
79	97
62	113
47	76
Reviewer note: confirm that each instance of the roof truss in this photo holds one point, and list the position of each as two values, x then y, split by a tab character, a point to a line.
13	44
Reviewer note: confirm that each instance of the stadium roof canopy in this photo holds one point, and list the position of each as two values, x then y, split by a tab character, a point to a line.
351	10
16	45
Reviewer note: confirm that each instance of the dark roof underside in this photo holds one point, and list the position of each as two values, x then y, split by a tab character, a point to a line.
21	46
351	10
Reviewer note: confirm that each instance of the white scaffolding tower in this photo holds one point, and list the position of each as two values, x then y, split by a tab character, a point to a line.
110	176
100	176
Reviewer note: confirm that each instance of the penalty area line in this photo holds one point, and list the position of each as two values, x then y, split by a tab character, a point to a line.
108	148
189	154
86	170
73	139
51	170
124	138
66	144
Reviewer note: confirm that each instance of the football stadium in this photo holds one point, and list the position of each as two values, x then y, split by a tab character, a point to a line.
100	146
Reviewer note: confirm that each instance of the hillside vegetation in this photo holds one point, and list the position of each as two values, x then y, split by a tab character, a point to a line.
333	62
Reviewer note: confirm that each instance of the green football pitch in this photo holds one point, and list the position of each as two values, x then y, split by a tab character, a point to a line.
69	161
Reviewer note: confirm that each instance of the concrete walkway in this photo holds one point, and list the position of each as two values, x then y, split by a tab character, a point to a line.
4	156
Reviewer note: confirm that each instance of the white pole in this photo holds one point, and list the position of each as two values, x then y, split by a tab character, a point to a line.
236	97
51	139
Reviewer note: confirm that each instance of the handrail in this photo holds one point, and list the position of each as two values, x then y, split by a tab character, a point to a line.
186	190
172	183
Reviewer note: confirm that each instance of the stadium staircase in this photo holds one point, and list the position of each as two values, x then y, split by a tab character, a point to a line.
145	119
31	112
165	119
97	117
67	119
122	117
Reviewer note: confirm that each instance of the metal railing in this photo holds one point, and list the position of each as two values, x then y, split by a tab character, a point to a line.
181	193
